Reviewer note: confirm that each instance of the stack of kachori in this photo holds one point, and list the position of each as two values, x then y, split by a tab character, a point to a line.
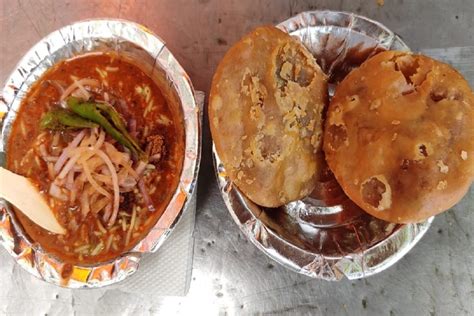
399	133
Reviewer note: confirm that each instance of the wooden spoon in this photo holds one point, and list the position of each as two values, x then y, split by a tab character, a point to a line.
19	191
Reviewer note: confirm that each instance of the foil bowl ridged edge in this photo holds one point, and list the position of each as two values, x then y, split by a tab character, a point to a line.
81	37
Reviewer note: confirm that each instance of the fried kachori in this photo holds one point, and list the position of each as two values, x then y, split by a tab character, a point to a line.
265	109
399	136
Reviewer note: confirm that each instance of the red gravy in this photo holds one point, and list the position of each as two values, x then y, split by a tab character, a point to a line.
132	91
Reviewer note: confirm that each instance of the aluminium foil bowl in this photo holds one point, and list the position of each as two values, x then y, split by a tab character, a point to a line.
151	54
324	240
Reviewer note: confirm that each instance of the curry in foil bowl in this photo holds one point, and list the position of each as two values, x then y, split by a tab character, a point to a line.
334	145
101	144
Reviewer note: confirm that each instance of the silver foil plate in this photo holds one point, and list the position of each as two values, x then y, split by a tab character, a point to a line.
326	235
150	52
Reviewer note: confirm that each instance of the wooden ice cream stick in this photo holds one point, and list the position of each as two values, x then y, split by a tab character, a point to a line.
19	191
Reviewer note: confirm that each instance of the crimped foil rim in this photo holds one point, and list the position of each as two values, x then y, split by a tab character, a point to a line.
332	268
39	58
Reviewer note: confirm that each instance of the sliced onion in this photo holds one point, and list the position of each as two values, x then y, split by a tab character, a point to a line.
93	162
132	224
140	168
70	180
93	196
100	140
130	170
50	159
85	94
146	197
96	172
128	185
91	140
107	213
78	187
55	141
115	156
51	171
100	204
77	168
132	125
42	150
104	179
81	94
79	84
85	204
76	153
56	192
120	158
64	155
91	180
57	85
113	174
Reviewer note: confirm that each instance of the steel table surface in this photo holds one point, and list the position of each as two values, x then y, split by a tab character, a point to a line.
230	275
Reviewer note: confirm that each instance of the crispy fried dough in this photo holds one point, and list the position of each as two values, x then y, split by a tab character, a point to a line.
265	109
400	136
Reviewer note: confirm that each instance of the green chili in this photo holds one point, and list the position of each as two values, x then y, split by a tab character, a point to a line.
91	111
61	119
118	122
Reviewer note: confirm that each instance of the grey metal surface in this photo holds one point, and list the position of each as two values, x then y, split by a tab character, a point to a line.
230	275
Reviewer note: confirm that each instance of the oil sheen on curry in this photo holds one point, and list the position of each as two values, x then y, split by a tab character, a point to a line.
98	138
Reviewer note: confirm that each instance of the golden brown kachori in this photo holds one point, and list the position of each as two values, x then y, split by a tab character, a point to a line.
265	108
399	136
